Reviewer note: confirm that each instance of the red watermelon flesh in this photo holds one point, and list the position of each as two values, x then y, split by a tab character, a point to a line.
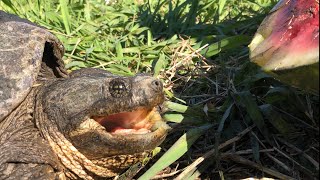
288	37
286	45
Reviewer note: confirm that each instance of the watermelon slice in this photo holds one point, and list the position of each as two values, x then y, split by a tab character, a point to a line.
286	44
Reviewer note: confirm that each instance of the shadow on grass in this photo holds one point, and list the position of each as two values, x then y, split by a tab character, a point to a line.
197	19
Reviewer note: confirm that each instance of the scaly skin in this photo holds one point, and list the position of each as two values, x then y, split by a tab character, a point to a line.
89	124
58	136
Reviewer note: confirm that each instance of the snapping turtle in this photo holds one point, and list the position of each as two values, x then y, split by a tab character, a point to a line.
53	125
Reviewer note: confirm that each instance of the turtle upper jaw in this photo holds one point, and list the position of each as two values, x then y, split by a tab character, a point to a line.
104	115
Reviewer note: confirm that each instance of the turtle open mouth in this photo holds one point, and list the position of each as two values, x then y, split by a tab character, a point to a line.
110	115
139	121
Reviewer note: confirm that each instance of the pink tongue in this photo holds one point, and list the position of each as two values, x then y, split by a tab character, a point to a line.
131	131
125	122
297	26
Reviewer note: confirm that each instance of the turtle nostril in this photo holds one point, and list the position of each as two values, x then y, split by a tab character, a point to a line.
156	85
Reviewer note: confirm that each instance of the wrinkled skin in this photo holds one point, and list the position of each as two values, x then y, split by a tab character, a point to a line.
89	124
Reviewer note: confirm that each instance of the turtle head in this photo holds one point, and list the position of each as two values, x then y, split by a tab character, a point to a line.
111	120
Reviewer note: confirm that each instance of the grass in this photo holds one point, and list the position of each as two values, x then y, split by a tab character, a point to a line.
231	120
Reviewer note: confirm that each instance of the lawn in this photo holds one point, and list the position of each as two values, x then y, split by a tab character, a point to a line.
230	119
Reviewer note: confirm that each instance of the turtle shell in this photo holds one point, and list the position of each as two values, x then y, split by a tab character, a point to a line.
25	50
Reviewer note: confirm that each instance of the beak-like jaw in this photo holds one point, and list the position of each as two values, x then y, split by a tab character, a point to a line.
112	121
123	120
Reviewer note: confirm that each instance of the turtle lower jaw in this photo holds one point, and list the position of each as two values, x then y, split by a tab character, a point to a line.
142	126
139	121
142	139
104	136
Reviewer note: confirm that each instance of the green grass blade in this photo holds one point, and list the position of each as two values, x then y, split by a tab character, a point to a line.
246	100
119	50
160	64
176	107
149	39
180	147
226	43
224	118
65	15
221	5
9	4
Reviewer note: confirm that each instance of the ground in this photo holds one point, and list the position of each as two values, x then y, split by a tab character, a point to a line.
230	120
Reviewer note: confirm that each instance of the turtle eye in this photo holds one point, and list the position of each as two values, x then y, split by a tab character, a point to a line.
118	88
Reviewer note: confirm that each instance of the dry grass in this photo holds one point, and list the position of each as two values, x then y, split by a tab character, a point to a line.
229	119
